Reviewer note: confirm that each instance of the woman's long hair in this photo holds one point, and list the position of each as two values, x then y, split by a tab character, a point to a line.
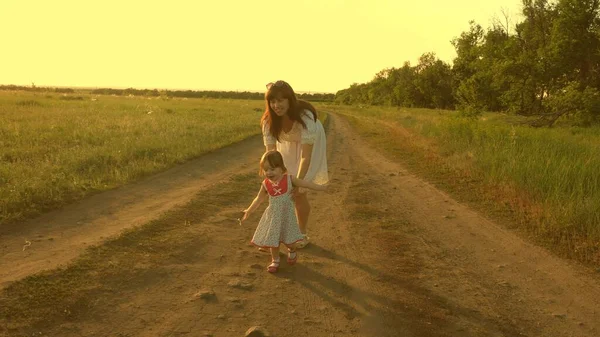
282	89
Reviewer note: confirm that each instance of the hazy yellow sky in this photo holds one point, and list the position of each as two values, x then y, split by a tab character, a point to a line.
315	45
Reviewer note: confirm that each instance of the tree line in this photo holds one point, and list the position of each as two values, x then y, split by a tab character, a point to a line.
547	66
314	97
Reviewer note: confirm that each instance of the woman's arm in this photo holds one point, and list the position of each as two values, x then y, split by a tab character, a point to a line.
262	195
308	184
306	153
268	140
307	139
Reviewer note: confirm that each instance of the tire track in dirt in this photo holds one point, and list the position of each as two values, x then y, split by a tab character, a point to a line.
60	236
367	292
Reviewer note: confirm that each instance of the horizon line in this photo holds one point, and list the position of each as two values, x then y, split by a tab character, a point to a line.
147	88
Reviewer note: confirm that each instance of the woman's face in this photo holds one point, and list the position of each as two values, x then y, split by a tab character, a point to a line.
280	105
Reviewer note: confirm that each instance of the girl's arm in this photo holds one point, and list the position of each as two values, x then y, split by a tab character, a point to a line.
308	184
270	147
262	195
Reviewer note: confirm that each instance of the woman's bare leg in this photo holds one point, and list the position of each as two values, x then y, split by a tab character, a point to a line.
302	211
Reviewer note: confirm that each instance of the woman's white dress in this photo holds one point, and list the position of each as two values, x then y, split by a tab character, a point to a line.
290	146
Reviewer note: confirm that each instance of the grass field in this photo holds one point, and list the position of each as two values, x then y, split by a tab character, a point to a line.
58	148
545	179
55	149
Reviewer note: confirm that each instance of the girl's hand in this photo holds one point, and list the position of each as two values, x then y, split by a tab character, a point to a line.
244	216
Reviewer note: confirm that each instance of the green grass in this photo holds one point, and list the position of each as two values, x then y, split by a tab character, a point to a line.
56	149
549	177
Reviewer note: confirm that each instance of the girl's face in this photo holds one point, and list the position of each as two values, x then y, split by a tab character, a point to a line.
280	105
272	173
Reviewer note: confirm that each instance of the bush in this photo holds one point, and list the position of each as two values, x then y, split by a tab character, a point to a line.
583	104
71	98
469	100
29	102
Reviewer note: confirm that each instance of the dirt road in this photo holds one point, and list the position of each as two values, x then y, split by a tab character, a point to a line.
390	256
58	237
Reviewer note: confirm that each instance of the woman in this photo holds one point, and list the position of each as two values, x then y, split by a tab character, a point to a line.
291	126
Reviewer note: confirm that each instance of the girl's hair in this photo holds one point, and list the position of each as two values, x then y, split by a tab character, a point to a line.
282	89
274	159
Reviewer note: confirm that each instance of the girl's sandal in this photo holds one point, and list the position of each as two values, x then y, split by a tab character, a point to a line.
292	257
273	267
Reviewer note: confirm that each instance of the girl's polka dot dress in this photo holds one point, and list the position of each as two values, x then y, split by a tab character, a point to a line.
278	223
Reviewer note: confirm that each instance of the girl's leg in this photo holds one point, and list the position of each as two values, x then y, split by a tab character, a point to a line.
292	254
274	266
275	253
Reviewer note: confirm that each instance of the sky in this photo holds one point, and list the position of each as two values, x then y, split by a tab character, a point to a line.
229	45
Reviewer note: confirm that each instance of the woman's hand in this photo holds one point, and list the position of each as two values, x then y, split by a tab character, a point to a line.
297	191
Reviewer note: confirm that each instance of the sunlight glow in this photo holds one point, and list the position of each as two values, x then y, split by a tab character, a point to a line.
315	45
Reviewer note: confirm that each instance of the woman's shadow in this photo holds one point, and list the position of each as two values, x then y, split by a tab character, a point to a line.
334	289
381	308
319	251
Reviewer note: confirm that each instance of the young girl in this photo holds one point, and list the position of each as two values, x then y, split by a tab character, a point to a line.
278	223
